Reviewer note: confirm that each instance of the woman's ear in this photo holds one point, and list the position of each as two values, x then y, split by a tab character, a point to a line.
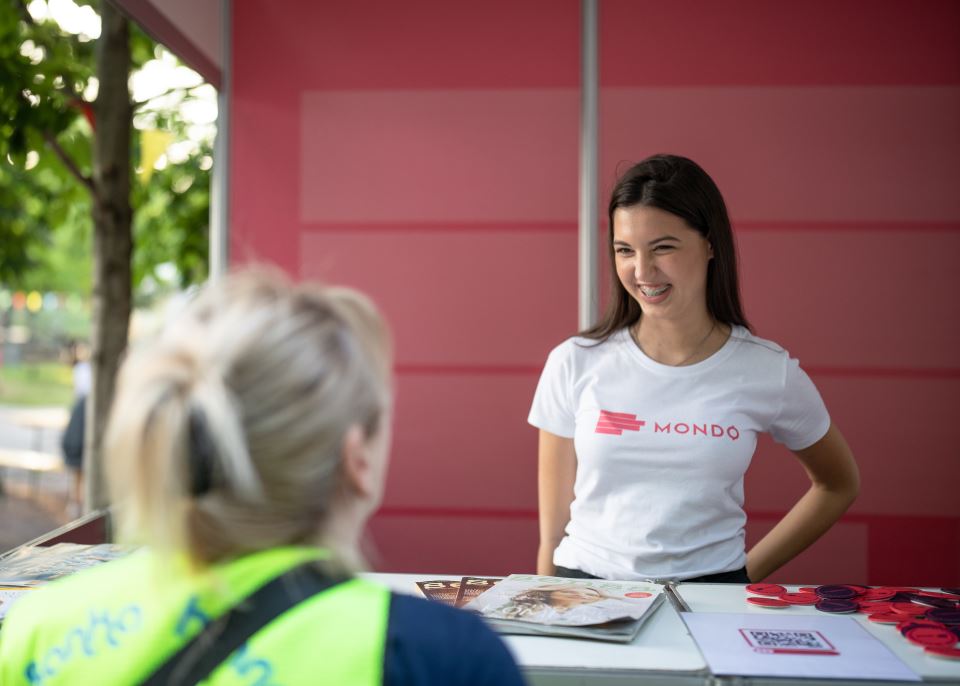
359	474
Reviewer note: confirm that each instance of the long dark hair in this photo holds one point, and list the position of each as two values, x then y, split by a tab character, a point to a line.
679	186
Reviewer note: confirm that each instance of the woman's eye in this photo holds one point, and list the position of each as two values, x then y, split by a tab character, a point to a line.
663	248
624	251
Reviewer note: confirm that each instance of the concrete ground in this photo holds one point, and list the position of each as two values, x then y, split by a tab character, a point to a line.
24	519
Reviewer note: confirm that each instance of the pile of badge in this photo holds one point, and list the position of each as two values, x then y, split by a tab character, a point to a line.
926	618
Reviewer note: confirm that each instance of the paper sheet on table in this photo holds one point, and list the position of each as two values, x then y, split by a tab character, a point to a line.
8	596
807	646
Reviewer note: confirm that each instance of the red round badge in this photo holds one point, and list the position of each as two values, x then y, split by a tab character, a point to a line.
943	651
937	594
770	603
766	589
799	598
920	622
878	594
886	618
858	588
911	609
931	636
873	607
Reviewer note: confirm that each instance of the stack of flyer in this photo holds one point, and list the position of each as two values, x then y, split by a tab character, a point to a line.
555	606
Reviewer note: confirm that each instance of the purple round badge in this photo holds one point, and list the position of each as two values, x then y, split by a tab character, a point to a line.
930	601
950	617
836	592
902	598
839	606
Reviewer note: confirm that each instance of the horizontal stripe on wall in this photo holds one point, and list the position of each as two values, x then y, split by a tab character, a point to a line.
800	154
868	225
491	513
761	42
842	372
443	226
468	370
470	513
484	156
376	44
455	299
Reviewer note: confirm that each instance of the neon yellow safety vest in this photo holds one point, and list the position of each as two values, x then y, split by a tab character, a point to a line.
117	623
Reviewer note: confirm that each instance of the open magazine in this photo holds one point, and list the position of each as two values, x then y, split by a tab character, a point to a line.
556	606
36	565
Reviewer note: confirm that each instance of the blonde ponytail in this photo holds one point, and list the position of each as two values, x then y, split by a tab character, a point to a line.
226	432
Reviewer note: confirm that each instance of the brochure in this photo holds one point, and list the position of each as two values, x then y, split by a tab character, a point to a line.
800	646
556	606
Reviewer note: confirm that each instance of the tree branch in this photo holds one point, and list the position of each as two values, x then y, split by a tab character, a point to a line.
140	103
69	163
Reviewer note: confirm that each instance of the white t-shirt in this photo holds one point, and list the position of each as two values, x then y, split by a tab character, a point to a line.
662	450
82	378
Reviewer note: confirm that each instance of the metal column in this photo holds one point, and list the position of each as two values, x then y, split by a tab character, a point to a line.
589	209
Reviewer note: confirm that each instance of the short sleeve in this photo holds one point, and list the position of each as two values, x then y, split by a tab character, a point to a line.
803	418
552	408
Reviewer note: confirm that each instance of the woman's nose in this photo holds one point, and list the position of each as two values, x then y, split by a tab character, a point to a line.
643	267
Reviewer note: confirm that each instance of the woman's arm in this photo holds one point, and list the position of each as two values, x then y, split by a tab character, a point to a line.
835	484
556	473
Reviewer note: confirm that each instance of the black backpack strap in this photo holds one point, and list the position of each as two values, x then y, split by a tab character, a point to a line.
196	660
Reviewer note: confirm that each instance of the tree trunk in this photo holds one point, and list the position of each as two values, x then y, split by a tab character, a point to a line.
112	238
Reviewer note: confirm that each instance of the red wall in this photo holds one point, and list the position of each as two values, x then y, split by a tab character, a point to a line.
426	152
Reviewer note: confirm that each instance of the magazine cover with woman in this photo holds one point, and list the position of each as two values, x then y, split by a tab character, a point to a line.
588	608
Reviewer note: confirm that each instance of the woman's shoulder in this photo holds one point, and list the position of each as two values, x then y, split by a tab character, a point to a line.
756	347
430	643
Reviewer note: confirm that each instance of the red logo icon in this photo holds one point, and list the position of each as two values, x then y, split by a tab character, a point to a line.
615	423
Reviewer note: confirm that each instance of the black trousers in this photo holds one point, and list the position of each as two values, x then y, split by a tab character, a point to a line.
737	576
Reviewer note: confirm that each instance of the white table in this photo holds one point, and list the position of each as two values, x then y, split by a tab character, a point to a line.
731	598
663	652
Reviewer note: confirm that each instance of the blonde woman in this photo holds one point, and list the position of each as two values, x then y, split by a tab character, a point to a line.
246	450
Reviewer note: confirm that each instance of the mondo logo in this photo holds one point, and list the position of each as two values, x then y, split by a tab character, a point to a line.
615	423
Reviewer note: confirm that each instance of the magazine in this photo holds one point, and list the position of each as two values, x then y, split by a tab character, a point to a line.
37	565
442	590
471	587
556	606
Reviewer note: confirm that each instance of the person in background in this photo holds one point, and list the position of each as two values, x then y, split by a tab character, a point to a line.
648	420
73	436
246	450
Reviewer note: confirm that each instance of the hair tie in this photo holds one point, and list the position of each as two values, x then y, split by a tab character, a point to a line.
202	457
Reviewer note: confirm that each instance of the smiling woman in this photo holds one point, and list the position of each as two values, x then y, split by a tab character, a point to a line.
648	420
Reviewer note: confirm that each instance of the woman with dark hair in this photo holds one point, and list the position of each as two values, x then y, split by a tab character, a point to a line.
649	419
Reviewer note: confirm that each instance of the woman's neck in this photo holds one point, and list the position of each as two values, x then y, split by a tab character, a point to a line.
680	342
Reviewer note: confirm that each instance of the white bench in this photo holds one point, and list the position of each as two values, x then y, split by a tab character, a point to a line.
32	461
